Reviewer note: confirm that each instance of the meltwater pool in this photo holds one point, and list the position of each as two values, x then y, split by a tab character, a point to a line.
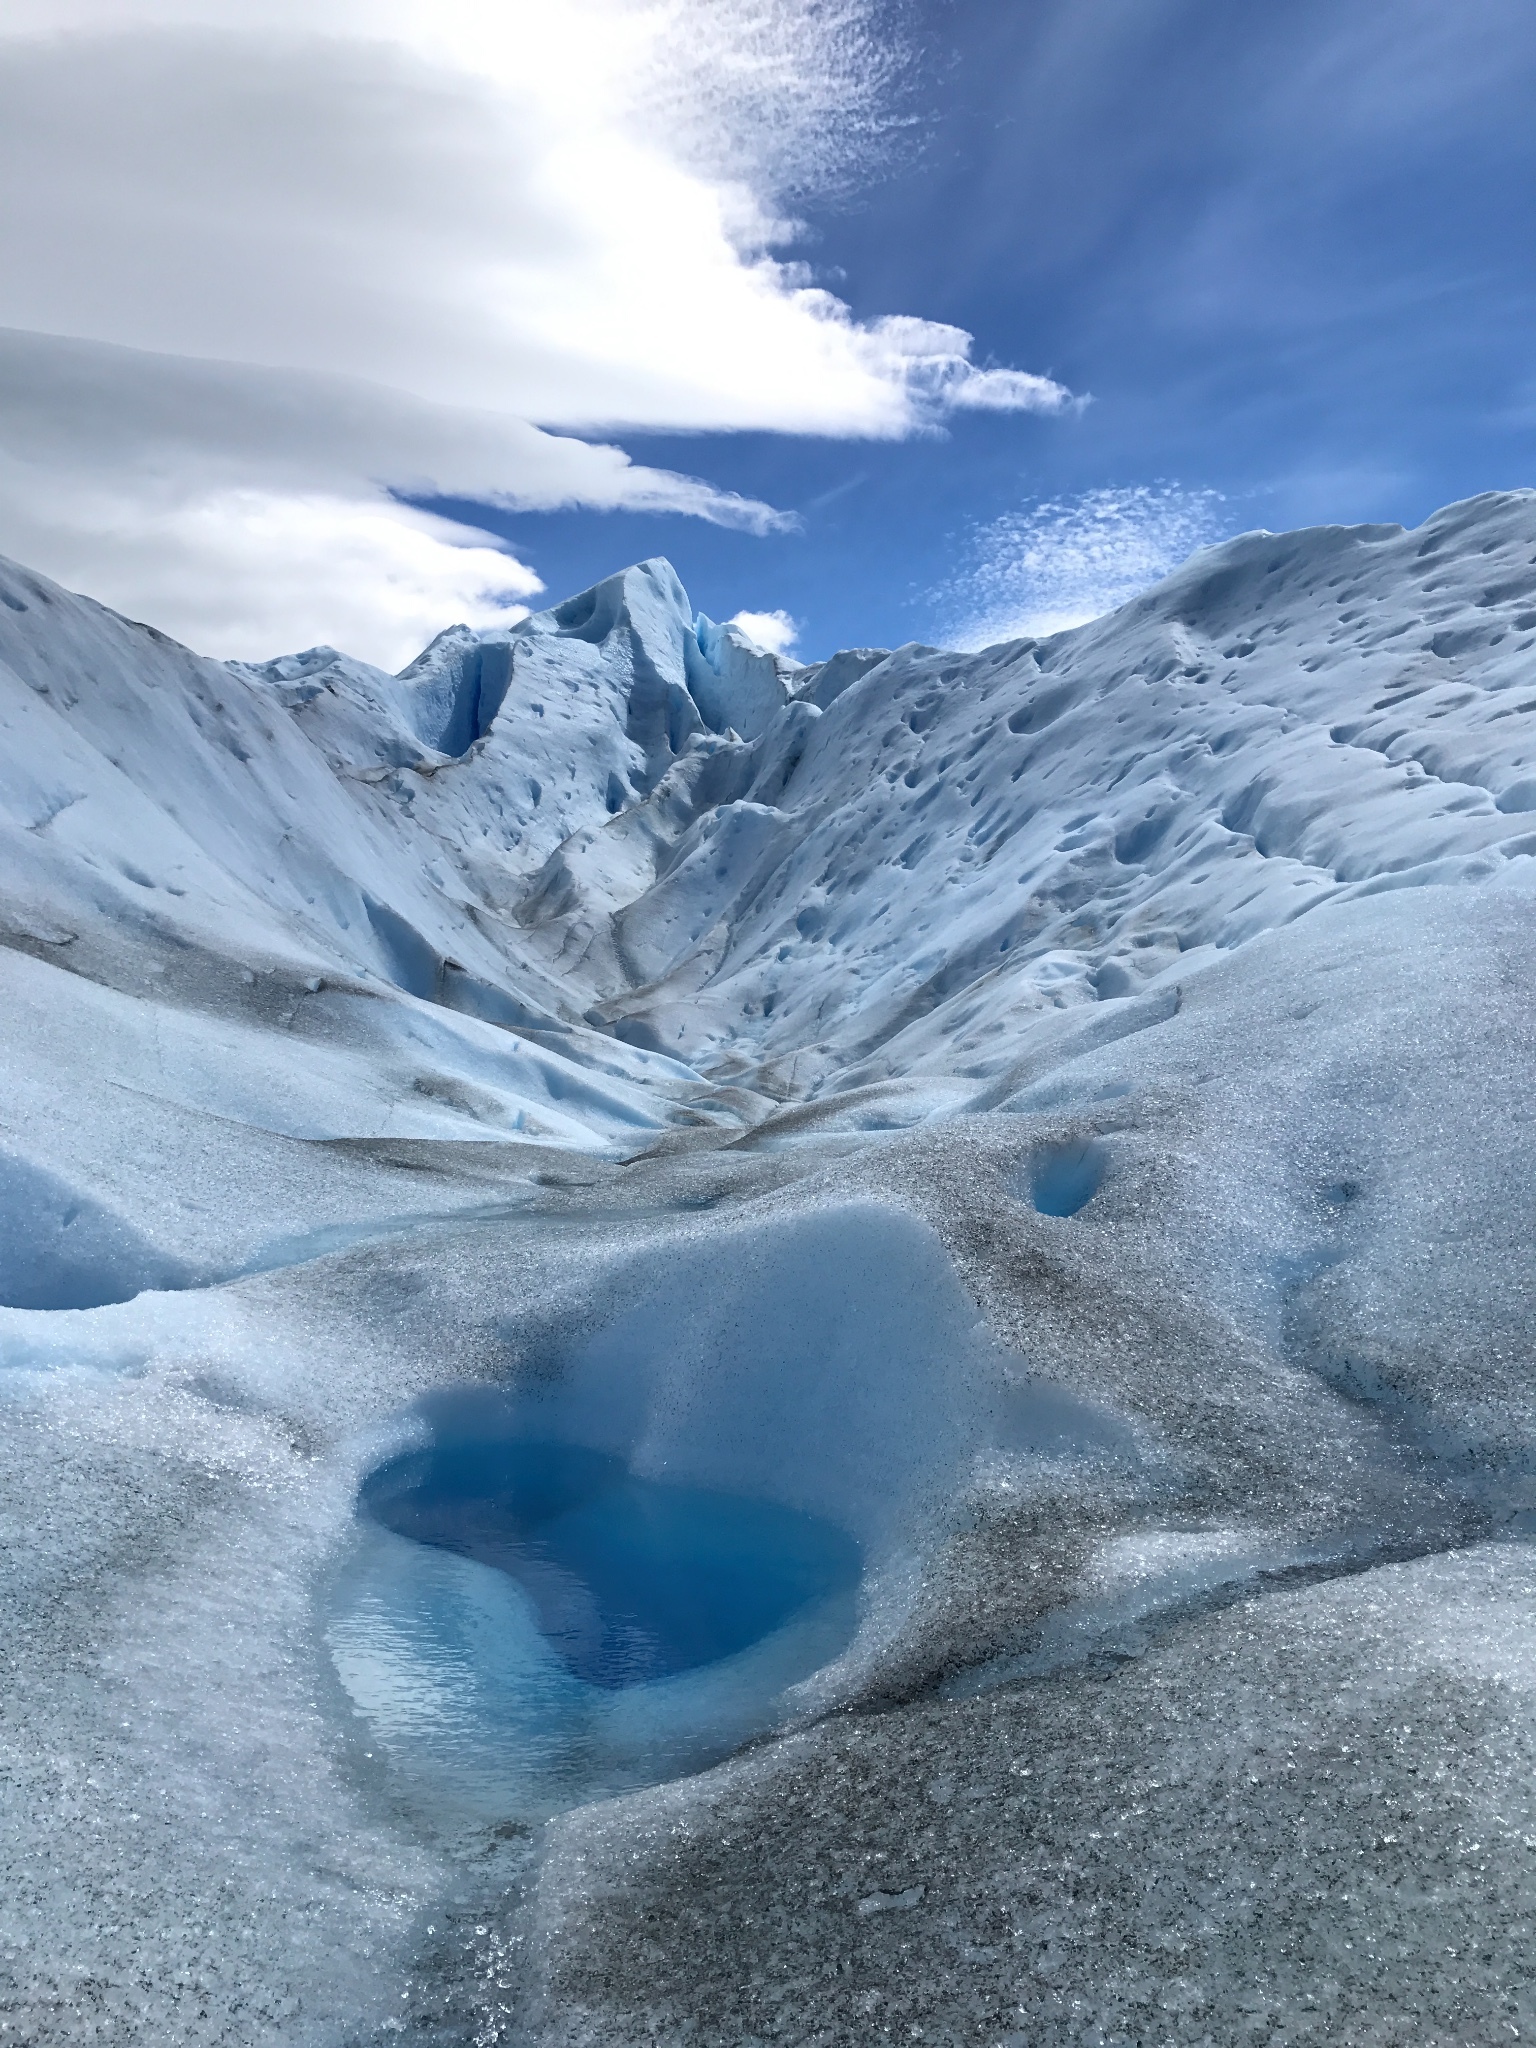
528	1623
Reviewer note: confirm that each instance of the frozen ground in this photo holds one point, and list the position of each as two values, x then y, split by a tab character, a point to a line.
1061	1117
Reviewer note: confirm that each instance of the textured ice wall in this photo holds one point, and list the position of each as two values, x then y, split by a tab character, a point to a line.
61	1249
625	850
956	848
260	861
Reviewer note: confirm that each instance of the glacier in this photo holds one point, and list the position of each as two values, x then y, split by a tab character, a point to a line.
1035	1142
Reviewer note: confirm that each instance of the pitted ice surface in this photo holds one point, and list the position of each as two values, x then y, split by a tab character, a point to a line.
1058	1119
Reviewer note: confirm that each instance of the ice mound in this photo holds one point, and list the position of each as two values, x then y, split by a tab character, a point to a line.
696	1350
60	1249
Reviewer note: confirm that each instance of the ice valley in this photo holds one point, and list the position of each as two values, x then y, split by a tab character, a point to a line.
701	1350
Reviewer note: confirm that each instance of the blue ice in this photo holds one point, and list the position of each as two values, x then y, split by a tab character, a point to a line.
1065	1177
528	1624
631	1579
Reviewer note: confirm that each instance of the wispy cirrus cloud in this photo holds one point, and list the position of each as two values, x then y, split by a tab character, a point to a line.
462	221
1059	562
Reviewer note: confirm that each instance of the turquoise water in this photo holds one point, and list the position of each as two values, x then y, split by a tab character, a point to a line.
631	1579
528	1624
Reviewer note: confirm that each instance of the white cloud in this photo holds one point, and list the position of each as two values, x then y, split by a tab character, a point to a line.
378	580
775	631
930	364
502	210
237	508
1061	562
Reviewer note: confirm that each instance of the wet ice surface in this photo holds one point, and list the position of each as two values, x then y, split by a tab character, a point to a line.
1308	1819
1028	1151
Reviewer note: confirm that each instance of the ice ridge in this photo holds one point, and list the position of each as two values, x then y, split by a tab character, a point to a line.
620	825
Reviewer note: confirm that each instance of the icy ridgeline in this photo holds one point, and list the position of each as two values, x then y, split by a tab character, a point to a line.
1165	990
287	902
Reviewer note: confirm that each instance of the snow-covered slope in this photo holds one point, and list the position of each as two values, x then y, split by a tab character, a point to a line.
307	870
614	828
1060	1114
907	880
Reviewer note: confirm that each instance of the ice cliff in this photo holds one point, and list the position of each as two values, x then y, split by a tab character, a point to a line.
1060	1115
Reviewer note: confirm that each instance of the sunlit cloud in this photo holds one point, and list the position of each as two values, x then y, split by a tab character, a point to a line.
504	212
377	580
776	631
238	509
1060	562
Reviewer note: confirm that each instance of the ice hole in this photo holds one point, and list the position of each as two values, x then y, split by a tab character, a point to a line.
529	1623
1065	1177
695	1517
659	1539
631	1579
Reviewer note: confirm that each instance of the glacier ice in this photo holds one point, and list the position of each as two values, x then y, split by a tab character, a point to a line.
1057	1119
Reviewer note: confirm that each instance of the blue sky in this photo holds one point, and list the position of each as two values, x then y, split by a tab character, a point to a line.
339	320
1290	252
